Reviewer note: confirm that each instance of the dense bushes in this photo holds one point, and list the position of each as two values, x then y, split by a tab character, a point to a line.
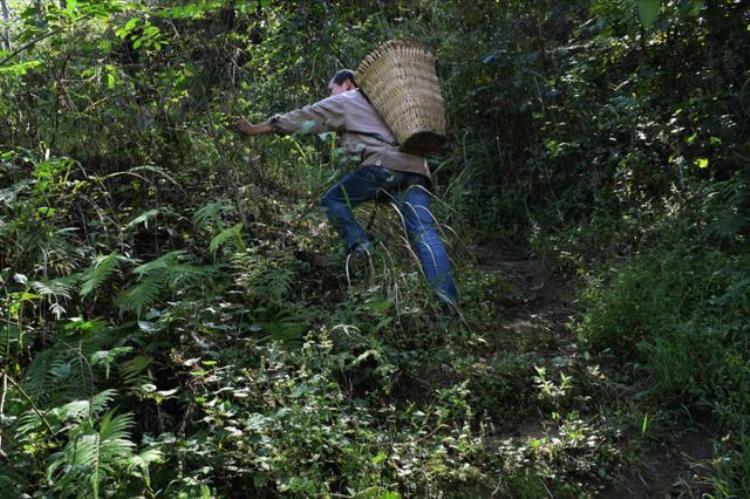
176	321
678	320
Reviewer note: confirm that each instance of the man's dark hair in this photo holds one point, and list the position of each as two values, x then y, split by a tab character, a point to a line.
342	75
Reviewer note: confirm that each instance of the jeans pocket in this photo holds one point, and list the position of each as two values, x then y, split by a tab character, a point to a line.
381	176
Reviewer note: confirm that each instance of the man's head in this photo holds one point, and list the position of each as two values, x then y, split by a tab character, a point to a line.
342	81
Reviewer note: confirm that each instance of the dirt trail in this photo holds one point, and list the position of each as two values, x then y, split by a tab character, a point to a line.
544	306
544	302
667	470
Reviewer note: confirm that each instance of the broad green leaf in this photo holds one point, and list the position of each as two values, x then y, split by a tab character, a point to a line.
46	211
648	11
701	162
127	29
379	458
690	7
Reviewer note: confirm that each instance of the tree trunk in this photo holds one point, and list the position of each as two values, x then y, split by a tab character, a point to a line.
6	20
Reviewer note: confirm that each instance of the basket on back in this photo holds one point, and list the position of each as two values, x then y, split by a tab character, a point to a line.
400	80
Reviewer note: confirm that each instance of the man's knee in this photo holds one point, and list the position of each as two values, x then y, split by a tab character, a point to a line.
335	209
328	201
420	223
335	197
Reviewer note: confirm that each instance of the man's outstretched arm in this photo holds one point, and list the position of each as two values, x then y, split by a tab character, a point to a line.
323	116
247	128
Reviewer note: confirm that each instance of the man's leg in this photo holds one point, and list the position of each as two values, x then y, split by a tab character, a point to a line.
354	188
422	230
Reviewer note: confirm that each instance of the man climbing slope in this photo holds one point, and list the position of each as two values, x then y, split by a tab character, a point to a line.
384	172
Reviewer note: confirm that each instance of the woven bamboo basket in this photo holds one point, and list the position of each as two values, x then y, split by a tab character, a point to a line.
400	80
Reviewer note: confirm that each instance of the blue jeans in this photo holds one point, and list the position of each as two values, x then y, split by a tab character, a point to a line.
408	192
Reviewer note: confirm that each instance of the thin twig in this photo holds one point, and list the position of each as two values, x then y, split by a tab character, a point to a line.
31	402
33	42
431	434
28	45
2	407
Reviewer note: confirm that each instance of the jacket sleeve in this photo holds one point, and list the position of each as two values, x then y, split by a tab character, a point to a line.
325	115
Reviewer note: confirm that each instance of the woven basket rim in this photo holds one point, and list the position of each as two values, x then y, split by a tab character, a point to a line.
384	47
414	111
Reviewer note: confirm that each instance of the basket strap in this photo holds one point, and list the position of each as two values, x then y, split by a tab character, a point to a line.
375	136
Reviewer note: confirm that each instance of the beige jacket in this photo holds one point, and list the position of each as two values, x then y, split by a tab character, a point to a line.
363	130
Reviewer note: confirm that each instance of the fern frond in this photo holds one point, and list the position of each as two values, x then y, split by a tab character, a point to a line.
80	451
232	233
166	260
189	275
133	371
61	248
56	288
79	409
265	279
142	294
29	422
57	310
159	275
76	410
728	225
101	400
61	369
95	275
56	373
210	214
93	454
106	357
55	291
278	282
38	374
114	449
114	429
139	463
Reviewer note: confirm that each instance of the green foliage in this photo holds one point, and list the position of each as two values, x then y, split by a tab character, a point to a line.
102	269
680	318
610	136
98	451
648	11
233	233
168	272
314	430
209	215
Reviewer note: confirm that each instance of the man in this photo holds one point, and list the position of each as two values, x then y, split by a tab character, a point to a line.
384	171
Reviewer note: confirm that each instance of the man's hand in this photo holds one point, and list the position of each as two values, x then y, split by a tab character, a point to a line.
247	128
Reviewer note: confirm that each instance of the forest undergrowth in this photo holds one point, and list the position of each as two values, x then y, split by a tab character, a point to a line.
179	320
